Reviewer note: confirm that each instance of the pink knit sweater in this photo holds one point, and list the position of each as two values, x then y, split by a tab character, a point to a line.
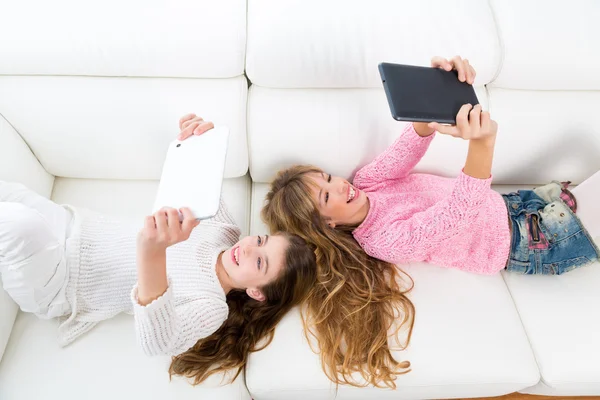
459	223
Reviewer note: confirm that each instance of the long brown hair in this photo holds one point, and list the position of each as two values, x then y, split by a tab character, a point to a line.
357	302
250	324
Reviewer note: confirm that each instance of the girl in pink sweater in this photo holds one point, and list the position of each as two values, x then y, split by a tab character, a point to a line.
402	217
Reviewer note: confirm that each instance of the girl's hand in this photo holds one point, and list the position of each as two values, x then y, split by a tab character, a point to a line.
163	229
191	124
466	73
160	231
471	124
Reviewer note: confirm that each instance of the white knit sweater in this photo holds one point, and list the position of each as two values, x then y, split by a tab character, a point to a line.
101	260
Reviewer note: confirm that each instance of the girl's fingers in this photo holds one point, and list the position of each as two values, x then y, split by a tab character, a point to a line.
460	68
173	218
470	72
462	120
203	127
473	74
441	62
191	121
185	118
444	129
149	224
174	225
189	221
188	131
485	122
161	220
475	120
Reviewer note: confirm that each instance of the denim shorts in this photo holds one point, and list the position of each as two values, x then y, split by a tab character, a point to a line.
547	237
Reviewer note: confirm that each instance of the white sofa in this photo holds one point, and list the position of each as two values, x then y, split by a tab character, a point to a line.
90	94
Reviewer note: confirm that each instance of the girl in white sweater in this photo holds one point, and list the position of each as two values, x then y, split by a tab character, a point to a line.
196	290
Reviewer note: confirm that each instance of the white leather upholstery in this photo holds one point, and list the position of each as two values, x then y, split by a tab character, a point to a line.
19	164
338	43
127	121
134	199
106	363
544	94
108	351
468	353
90	94
338	130
316	98
560	315
94	92
177	38
542	138
468	341
548	46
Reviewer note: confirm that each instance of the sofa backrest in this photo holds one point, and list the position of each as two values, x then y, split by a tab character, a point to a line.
99	95
316	96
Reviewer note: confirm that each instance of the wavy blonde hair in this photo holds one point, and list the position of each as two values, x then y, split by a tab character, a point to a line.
358	302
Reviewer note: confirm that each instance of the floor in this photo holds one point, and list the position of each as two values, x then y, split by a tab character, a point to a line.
519	396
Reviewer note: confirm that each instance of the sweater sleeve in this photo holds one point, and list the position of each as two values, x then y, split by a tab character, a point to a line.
396	161
413	239
164	328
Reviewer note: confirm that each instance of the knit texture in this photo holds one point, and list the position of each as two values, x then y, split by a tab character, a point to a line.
101	260
458	223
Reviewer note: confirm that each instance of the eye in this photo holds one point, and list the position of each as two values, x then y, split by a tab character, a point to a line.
329	178
326	197
259	240
258	263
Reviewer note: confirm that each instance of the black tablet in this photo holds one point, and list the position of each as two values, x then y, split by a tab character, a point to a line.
423	94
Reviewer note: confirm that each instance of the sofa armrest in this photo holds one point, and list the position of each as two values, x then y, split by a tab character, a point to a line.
17	164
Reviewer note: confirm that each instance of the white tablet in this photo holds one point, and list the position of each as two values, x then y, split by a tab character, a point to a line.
192	174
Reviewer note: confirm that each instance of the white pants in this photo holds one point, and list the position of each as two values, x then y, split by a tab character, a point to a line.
33	232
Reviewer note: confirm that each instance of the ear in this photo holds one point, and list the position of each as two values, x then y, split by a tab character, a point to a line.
256	294
331	224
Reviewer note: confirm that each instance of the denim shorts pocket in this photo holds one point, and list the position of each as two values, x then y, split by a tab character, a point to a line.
519	267
565	266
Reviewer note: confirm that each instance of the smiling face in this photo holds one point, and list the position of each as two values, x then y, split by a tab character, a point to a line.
255	261
338	201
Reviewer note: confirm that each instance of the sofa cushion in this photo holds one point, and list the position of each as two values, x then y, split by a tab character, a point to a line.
118	128
339	130
541	136
134	199
19	164
468	341
105	363
338	44
108	354
180	38
548	46
560	316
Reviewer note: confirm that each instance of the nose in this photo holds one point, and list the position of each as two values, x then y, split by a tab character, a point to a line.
343	187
